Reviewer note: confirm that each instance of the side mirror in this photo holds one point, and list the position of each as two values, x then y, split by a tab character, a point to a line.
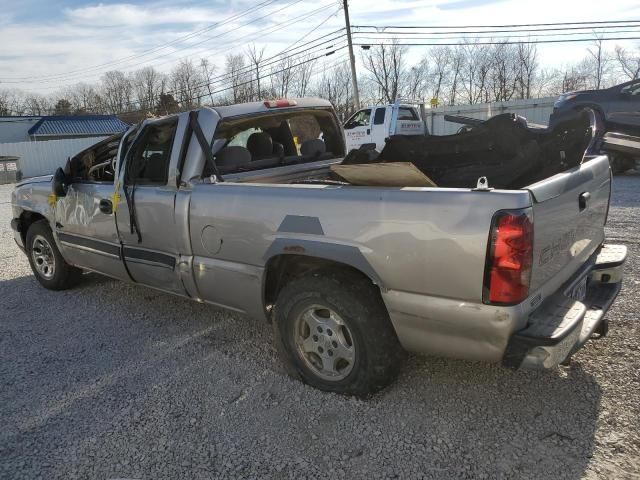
59	183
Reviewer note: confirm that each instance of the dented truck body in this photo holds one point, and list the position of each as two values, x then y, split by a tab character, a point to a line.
435	255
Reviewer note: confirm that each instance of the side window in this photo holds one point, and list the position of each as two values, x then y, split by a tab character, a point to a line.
359	119
378	118
405	113
148	162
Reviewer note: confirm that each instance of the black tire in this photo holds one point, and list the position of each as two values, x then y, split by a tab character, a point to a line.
63	276
378	355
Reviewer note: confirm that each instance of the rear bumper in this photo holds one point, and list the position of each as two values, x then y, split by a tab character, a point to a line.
562	325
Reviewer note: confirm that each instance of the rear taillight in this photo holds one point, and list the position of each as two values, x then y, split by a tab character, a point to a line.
509	258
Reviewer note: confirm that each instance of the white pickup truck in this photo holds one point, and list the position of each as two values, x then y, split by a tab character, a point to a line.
374	124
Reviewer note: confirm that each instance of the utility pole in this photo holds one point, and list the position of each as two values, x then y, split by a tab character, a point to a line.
354	79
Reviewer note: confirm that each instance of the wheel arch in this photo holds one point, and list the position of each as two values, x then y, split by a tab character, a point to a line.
296	261
26	219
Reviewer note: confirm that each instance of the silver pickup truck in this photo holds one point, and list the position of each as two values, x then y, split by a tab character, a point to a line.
237	206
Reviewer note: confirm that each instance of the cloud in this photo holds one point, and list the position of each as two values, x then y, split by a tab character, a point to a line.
125	14
55	41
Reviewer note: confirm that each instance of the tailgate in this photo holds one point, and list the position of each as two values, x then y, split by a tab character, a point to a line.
569	213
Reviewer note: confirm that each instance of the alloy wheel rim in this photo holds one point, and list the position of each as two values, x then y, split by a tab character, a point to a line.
43	257
325	343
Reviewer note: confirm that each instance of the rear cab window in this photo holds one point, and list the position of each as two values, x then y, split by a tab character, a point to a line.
274	139
407	113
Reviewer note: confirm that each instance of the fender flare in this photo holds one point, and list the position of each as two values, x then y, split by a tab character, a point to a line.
349	255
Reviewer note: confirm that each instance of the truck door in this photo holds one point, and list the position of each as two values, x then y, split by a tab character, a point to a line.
357	130
86	229
146	208
379	129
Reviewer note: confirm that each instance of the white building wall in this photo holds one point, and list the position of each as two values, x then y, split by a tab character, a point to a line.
534	110
44	157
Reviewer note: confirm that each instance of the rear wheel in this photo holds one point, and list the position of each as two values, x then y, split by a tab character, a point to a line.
333	332
46	261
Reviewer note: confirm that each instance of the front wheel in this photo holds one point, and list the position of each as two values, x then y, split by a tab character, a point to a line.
46	261
333	332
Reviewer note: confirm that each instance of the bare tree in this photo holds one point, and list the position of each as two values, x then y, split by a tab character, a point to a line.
207	71
238	77
417	78
599	63
83	97
504	71
12	102
547	83
282	76
148	84
255	57
574	79
302	77
35	104
441	61
629	62
527	68
335	86
457	61
187	84
117	91
385	65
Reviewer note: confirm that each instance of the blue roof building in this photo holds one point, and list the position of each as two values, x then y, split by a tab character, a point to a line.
56	127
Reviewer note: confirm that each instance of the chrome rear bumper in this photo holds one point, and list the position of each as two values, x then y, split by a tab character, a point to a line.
562	325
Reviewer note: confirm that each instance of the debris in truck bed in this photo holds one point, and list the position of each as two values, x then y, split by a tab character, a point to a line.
503	149
395	174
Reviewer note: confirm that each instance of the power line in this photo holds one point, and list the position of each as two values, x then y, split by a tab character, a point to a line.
499	43
158	47
492	37
497	26
383	31
271	29
314	29
261	33
66	76
248	69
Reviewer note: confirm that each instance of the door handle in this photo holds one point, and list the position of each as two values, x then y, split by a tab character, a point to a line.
583	199
106	206
368	131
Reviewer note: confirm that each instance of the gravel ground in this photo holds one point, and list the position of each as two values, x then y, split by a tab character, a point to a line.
116	381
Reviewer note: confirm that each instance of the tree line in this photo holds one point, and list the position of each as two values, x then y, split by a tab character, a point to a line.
467	73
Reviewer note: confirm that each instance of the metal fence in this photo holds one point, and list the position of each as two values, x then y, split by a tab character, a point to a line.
42	158
535	110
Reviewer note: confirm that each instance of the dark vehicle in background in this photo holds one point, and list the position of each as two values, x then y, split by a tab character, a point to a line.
617	109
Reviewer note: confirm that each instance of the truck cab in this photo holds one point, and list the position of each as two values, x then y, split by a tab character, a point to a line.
374	124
